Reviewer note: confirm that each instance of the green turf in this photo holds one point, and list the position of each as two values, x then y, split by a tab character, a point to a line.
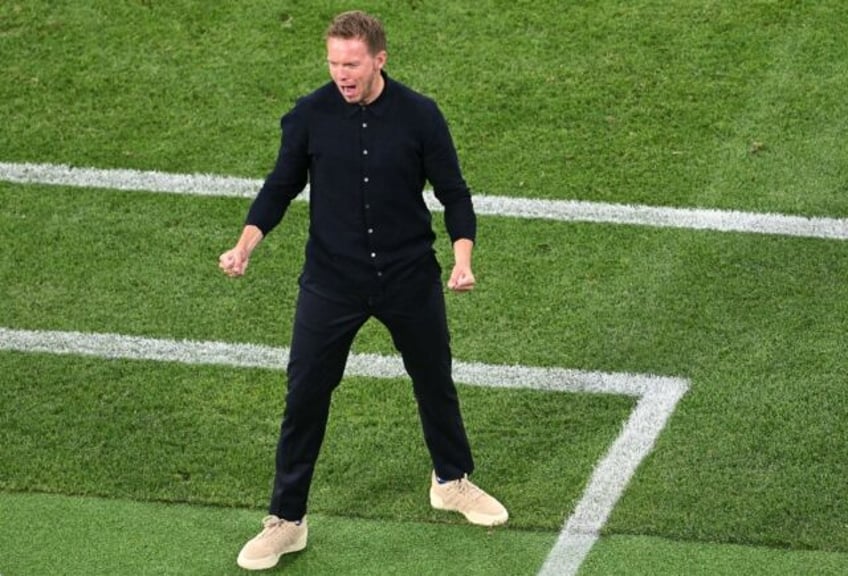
725	105
48	534
681	103
645	556
207	435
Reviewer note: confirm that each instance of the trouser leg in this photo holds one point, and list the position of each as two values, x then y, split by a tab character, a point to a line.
418	324
324	329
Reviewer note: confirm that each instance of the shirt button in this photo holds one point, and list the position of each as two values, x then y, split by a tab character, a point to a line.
368	206
370	230
365	179
365	152
373	254
365	124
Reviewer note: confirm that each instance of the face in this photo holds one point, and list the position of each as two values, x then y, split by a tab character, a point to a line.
355	70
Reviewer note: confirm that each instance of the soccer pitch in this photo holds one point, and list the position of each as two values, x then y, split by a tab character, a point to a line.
661	190
657	396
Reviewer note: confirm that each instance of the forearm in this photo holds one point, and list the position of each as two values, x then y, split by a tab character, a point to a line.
462	249
250	238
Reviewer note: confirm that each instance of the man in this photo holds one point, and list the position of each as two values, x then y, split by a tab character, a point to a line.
367	144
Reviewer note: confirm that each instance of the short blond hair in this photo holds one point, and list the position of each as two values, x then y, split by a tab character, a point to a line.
358	24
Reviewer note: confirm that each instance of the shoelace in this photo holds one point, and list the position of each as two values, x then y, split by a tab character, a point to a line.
269	523
466	487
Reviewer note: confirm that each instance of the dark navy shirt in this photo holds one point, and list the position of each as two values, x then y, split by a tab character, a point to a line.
367	167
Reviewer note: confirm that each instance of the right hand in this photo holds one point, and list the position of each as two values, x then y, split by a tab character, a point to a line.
234	262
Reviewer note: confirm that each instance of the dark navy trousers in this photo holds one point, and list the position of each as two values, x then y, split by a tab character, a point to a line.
326	322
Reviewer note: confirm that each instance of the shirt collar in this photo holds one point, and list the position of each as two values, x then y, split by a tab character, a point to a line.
379	106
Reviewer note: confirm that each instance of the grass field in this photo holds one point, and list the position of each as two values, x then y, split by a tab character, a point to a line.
129	465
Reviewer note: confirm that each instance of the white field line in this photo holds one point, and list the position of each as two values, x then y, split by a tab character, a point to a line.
658	397
562	210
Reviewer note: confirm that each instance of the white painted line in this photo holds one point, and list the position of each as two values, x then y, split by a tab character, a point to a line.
120	179
610	478
658	397
560	210
116	346
663	217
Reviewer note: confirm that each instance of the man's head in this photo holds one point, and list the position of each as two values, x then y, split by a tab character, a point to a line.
356	54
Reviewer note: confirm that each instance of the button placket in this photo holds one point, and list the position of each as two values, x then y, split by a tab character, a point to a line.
366	179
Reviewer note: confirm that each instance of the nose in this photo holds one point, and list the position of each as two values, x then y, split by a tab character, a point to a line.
338	73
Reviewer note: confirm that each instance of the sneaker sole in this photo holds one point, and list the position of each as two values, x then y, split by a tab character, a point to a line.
438	503
270	561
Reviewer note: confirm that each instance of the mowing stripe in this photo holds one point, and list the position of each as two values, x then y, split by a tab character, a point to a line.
562	210
658	397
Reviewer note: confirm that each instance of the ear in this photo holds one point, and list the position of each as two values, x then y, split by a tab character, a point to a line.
380	59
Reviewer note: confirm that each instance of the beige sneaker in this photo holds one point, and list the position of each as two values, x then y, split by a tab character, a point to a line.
465	497
278	537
